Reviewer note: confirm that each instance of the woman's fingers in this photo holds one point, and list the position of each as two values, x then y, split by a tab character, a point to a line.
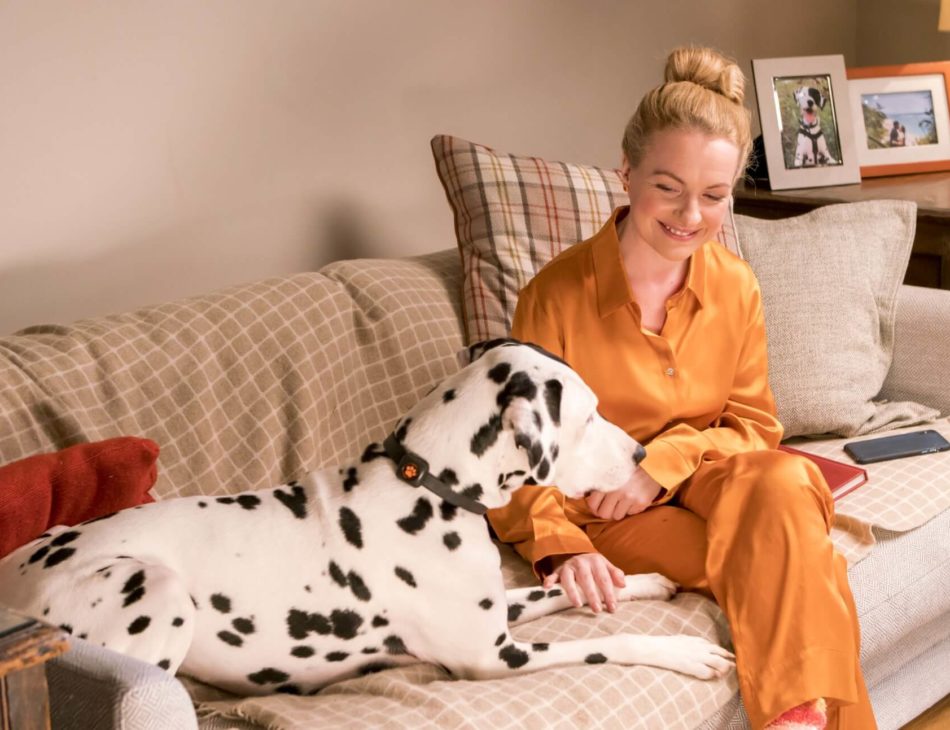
570	586
594	501
605	586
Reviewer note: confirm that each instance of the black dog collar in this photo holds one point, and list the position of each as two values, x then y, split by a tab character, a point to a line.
414	470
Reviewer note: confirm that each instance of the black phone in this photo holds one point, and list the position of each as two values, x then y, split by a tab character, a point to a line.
897	446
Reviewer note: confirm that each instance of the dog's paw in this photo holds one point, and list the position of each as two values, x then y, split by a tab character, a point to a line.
647	586
691	655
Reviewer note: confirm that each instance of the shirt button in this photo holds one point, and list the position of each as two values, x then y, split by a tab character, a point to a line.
670	371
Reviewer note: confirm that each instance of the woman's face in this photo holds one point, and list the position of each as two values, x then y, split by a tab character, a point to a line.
679	193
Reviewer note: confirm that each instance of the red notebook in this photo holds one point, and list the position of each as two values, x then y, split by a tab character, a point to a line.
842	478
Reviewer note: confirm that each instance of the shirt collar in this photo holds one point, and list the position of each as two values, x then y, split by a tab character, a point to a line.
613	291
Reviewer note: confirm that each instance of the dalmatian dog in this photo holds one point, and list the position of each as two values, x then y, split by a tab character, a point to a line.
379	563
811	148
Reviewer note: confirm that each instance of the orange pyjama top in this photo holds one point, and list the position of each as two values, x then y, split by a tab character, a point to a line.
698	391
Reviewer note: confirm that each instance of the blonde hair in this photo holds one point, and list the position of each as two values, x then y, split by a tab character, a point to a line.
702	90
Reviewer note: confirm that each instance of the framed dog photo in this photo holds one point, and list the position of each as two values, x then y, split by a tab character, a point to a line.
806	121
901	117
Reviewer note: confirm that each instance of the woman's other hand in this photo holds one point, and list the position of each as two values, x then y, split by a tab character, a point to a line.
632	498
587	578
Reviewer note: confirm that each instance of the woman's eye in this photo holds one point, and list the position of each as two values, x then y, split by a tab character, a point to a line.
666	188
716	198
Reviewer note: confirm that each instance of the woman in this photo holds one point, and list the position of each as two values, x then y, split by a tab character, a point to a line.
666	326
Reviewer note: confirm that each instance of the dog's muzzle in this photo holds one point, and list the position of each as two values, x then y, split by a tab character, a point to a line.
639	454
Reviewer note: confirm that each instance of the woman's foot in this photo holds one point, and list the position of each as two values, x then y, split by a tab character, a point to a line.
807	716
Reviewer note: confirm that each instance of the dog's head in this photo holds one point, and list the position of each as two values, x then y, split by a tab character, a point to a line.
516	414
809	100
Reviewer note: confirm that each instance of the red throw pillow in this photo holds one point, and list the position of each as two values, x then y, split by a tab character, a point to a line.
73	485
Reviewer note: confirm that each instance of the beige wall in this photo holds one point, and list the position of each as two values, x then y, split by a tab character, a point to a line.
151	150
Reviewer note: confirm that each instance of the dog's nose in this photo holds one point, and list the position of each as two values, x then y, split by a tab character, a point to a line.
639	454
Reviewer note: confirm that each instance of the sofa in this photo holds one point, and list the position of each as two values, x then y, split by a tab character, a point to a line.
253	385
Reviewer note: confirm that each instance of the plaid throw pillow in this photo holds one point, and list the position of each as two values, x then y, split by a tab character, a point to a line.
514	214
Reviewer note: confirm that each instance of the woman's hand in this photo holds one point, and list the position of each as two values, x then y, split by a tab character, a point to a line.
588	578
632	498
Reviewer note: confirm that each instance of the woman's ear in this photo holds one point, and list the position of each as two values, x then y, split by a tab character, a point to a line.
625	170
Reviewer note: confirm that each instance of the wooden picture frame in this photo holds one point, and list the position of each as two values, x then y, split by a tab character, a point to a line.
806	123
883	98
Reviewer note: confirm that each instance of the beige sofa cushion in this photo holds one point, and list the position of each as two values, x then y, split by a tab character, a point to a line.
829	283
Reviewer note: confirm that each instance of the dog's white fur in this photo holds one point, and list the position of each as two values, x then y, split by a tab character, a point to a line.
352	570
810	100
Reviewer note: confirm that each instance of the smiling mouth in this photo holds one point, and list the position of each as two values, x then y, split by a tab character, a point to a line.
677	233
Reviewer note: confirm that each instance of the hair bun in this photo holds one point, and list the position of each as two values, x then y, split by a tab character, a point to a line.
708	68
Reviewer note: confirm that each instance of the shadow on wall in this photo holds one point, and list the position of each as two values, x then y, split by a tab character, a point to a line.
186	262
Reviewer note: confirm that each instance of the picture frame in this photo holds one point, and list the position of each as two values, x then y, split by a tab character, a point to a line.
805	115
884	101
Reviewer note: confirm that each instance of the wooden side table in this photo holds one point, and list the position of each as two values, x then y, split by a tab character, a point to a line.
930	257
25	646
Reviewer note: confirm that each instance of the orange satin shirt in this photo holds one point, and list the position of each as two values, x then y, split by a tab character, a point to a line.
697	391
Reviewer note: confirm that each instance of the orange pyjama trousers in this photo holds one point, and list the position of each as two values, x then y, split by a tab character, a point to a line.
752	531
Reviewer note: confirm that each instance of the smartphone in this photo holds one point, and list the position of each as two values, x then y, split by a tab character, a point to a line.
897	446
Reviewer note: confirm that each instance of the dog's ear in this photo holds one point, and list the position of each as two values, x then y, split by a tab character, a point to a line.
471	353
521	418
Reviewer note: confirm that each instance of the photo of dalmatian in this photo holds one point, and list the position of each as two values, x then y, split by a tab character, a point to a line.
381	562
811	147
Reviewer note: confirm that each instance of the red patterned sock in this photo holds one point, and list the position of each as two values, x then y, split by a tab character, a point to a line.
807	716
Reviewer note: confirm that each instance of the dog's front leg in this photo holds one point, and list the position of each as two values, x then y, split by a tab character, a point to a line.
690	655
527	604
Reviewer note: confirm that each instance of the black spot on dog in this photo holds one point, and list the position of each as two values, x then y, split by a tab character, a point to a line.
46	611
39	554
67	628
539	424
177	621
221	603
529	481
514	611
500	372
338	577
544	468
370	650
380	621
229	638
358	586
540	646
403	430
58	557
486	603
553	390
473	492
336	656
554	592
448	511
451	540
394	645
224	500
139	625
555	452
289	689
300	623
164	664
202	504
351	526
373	451
520	385
133	596
243	625
536	595
248	501
64	538
136	580
486	436
373	667
268	675
449	477
405	576
513	656
500	640
295	501
302	652
346	623
535	453
352	479
421	514
595	659
448	395
193	601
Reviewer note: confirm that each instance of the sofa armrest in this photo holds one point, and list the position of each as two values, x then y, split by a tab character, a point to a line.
91	688
920	370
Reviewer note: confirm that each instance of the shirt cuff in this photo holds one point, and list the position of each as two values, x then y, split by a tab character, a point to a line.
667	466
